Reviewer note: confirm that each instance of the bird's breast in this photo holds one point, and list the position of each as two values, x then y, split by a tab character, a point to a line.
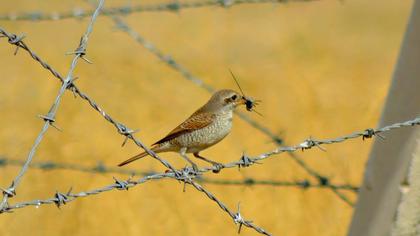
207	136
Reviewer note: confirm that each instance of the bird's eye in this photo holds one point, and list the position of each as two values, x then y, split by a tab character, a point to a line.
234	97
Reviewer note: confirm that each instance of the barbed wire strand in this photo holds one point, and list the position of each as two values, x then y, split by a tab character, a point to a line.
246	161
100	168
187	175
173	6
63	198
49	119
123	26
309	143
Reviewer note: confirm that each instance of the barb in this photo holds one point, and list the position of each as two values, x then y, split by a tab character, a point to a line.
100	168
173	6
187	75
49	118
19	43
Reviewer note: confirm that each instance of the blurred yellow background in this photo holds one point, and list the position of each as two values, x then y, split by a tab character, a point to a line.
321	68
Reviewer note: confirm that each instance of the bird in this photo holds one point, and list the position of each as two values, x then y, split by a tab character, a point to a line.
204	128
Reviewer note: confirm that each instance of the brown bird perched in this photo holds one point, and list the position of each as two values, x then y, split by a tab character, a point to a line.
204	128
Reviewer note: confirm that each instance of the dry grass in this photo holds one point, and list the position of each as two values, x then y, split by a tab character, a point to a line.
321	69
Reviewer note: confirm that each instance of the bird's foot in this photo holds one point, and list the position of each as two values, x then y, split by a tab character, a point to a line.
195	168
217	167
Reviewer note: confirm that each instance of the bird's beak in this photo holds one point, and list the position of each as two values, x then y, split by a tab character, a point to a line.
243	101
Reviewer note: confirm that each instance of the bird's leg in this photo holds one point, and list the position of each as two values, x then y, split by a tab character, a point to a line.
182	152
217	165
196	154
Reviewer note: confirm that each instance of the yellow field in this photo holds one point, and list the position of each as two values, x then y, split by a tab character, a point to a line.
321	68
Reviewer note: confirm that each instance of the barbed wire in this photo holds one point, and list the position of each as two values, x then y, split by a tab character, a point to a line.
123	26
173	6
186	175
100	168
49	119
247	161
309	143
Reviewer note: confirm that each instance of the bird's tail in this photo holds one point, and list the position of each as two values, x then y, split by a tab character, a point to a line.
136	157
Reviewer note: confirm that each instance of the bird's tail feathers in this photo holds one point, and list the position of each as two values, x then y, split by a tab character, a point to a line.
134	158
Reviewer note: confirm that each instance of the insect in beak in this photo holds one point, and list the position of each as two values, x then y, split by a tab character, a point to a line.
249	102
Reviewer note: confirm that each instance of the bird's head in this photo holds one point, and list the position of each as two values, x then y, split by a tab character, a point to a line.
226	100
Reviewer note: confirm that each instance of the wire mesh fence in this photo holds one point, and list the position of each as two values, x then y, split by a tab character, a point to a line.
187	175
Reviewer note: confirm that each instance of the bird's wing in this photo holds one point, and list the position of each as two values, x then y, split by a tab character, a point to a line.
194	122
